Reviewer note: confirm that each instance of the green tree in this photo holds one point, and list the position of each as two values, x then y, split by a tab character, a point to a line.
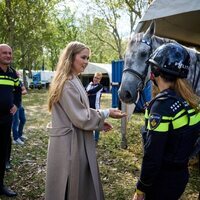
111	12
134	9
60	30
38	30
95	33
24	27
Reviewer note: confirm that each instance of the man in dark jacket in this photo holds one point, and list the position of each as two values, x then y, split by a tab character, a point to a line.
9	101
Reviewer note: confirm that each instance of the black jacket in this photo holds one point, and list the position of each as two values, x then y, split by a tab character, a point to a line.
10	92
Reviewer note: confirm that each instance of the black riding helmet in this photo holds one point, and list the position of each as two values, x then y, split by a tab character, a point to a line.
171	59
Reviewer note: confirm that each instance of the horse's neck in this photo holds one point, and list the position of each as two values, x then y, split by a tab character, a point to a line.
194	70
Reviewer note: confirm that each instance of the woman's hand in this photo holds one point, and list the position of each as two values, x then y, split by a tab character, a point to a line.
107	127
117	114
138	196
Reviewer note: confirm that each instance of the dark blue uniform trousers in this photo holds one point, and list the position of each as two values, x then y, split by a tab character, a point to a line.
5	145
169	185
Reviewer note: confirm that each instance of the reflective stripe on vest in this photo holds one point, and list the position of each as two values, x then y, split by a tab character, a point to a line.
6	80
162	127
178	121
181	120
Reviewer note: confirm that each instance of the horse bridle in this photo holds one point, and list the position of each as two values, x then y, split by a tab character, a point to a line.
137	74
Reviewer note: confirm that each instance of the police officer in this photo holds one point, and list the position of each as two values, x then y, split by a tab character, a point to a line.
172	125
9	101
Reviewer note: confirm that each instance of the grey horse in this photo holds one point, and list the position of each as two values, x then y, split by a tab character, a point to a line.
136	71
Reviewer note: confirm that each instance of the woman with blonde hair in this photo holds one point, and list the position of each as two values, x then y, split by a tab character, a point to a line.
72	169
172	127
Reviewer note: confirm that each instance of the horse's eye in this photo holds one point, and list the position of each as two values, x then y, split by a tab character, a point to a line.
143	54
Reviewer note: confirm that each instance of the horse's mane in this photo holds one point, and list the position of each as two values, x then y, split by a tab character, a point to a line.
137	37
158	41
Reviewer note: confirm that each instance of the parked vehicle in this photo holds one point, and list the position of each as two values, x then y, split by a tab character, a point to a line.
41	79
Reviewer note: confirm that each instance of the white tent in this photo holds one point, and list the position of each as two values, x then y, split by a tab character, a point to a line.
177	19
99	67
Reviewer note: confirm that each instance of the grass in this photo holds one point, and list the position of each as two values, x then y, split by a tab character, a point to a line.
119	168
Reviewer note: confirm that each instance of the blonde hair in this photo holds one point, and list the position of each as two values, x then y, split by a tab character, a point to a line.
63	71
183	88
99	75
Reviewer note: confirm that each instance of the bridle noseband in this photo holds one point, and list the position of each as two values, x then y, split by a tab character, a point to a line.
137	74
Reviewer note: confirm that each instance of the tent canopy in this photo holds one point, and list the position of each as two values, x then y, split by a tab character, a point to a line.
98	67
178	19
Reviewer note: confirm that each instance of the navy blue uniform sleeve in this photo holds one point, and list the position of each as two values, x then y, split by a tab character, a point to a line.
153	149
95	89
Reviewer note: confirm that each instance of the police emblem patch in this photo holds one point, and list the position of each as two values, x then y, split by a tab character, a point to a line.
154	121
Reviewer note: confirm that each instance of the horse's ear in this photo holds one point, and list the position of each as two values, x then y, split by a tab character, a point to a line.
150	31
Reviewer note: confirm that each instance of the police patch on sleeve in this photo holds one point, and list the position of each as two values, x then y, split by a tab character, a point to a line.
154	121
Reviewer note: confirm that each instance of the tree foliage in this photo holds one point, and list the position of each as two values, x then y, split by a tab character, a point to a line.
95	33
32	29
38	30
112	12
24	27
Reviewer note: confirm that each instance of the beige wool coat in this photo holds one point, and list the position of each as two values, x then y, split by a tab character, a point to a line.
72	169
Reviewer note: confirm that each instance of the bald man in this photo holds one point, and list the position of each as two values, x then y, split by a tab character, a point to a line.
9	101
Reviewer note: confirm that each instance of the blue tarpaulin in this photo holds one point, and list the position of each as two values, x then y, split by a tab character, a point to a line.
117	68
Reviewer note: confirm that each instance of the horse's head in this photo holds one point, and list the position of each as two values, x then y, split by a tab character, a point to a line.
135	73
